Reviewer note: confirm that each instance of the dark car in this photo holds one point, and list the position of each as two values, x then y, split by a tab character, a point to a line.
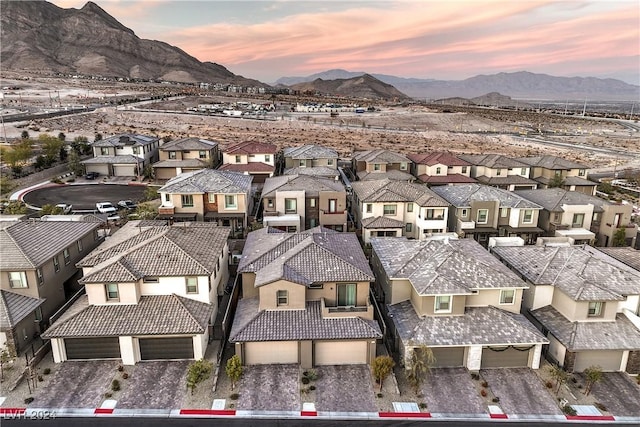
92	175
126	204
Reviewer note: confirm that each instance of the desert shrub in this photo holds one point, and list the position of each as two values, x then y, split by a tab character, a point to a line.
305	380
549	384
115	385
483	393
125	375
234	396
600	406
108	395
567	409
46	371
28	400
40	378
312	374
422	405
312	387
379	395
495	400
485	384
120	368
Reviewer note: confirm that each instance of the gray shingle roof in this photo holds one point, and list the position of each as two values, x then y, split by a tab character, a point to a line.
570	180
312	185
29	244
461	196
126	159
579	274
380	156
208	181
576	336
551	162
392	174
552	199
313	171
153	315
386	190
15	307
496	161
188	144
478	326
175	163
381	222
310	152
506	180
293	325
628	256
130	139
443	266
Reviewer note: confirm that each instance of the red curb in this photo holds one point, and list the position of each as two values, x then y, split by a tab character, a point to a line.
308	413
499	416
404	414
207	411
103	411
590	417
13	411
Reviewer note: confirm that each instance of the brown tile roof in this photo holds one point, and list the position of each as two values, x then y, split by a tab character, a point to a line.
435	158
454	178
551	162
492	160
251	147
381	222
256	167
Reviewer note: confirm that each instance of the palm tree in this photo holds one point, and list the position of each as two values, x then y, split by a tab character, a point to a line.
420	363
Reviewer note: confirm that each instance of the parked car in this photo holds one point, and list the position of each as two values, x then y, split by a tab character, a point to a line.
92	175
127	204
66	209
106	207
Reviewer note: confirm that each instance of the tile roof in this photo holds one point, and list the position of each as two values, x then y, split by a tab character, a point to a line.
312	185
570	180
437	267
310	152
251	147
127	159
396	191
208	181
576	336
250	324
175	163
551	162
494	161
478	326
506	180
381	222
312	256
463	194
380	156
313	171
152	315
454	178
552	199
130	139
578	273
437	158
29	244
188	144
15	307
628	256
393	174
256	167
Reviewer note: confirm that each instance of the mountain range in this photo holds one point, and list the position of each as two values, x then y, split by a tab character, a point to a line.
363	86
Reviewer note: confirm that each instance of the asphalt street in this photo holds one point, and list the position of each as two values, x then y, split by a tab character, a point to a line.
84	197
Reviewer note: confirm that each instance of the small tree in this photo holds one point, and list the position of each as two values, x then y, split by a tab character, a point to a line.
51	147
382	367
420	363
234	370
559	375
556	181
5	357
198	371
74	163
62	136
15	207
147	172
150	193
24	134
51	210
97	137
605	187
593	375
619	238
146	211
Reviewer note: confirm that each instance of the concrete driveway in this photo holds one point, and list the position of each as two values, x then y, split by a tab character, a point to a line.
345	388
520	391
84	197
619	393
270	388
451	390
155	385
77	385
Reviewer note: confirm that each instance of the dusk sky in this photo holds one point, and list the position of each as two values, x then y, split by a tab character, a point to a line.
446	40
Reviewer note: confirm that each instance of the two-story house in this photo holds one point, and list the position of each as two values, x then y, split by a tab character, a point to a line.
582	217
300	202
305	299
455	298
381	164
211	195
151	293
123	155
313	160
585	304
500	171
254	158
552	170
480	212
38	273
440	168
397	208
185	155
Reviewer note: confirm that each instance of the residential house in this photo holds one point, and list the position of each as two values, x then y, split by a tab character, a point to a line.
397	208
555	171
440	168
123	155
455	298
586	305
300	202
311	160
211	195
500	171
257	159
481	212
185	155
584	218
628	256
380	164
305	300
38	274
151	293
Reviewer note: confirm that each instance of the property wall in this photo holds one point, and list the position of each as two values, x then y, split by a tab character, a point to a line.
486	297
268	296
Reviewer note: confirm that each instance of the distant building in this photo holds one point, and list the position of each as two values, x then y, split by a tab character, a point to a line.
573	176
440	168
500	171
253	158
123	155
185	155
381	164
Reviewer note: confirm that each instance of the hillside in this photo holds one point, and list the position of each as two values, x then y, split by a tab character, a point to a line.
364	86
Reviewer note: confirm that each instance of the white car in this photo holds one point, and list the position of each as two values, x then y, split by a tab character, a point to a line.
105	207
66	209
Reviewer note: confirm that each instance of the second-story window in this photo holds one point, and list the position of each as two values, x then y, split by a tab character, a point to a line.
112	291
329	162
302	163
79	243
389	209
483	216
202	154
578	220
192	285
403	166
17	279
187	200
282	298
438	170
347	294
312	202
211	197
66	256
290	206
464	169
503	212
270	203
464	213
104	151
136	150
172	155
56	263
527	216
581	172
409	207
376	166
230	202
595	309
267	158
40	276
498	172
523	171
333	205
238	159
507	296
167	197
442	304
369	208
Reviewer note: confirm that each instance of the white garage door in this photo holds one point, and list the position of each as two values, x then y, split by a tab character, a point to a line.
609	361
340	352
102	169
124	170
270	352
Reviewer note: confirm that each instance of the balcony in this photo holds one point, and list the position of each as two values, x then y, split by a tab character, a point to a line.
366	312
333	218
466	225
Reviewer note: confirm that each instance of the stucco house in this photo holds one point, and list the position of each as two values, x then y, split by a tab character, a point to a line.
123	155
586	304
455	298
381	164
573	176
151	294
311	160
185	155
440	168
305	300
254	158
500	171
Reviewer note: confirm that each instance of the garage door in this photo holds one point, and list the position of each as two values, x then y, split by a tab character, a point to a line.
124	170
103	170
166	348
509	358
448	357
92	348
609	361
270	352
340	352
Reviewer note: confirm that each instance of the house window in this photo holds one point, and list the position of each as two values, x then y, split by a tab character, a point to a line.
290	206
464	213
282	298
527	217
503	212
329	162
409	207
211	197
616	220
369	208
151	280
40	276
346	294
581	172
376	166
464	169
135	150
65	254
112	291
556	217
389	209
17	279
403	166
558	173
172	155
482	217
192	285
56	264
187	200
238	159
316	286
79	243
595	309
302	163
578	220
38	314
202	154
498	172
312	202
230	202
430	214
408	227
104	151
443	304
267	158
167	197
507	296
333	205
269	203
438	170
312	222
